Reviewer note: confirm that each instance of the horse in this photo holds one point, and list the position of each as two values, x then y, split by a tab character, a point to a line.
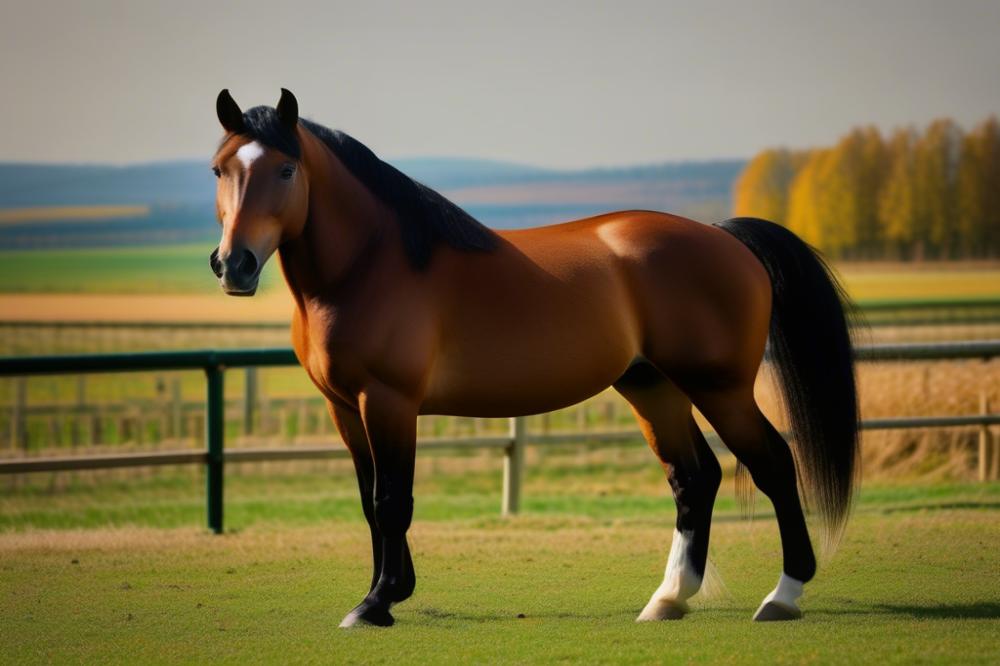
404	305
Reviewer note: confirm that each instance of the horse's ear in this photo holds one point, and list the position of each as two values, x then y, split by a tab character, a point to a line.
229	112
288	109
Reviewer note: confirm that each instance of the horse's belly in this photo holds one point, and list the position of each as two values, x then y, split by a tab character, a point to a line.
529	374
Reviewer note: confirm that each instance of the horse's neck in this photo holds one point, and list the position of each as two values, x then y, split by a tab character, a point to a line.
346	225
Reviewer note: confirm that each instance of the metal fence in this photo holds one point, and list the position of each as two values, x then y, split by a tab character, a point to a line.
214	363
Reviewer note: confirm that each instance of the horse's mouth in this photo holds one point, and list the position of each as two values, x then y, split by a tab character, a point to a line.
246	286
248	289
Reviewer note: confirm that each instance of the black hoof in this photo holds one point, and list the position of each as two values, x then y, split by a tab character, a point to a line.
369	614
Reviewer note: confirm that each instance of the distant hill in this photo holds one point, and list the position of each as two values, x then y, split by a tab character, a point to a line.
180	196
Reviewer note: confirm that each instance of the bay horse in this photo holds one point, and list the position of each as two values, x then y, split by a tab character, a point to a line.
406	305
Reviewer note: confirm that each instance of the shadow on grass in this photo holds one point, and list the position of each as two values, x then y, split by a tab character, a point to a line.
941	506
981	610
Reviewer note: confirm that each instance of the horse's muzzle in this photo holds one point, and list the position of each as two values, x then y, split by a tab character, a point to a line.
238	272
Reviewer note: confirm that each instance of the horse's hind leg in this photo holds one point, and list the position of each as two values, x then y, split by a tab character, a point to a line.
664	414
754	441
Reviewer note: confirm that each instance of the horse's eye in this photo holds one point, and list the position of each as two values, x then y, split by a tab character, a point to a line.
287	172
217	171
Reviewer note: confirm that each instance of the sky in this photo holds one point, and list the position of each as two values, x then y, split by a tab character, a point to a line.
558	84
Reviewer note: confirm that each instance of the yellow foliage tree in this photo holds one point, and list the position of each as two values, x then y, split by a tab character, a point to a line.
805	192
915	195
897	205
936	161
978	191
761	190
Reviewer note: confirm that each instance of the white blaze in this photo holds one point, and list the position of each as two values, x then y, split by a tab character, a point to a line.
249	152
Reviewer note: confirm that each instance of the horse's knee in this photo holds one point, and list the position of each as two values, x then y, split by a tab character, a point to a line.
393	513
695	486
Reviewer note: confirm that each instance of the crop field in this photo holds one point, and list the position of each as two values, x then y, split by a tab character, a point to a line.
125	573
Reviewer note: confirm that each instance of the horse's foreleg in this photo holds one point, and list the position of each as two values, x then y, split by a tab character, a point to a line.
390	423
352	431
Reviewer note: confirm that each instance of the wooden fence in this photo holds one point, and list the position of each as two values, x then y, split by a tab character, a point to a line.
214	363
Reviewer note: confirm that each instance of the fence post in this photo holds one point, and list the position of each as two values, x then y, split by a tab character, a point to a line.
214	431
249	399
18	431
513	467
987	464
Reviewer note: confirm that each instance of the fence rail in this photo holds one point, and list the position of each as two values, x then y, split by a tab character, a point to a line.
214	363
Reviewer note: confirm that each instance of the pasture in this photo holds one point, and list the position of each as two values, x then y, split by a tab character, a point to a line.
122	573
114	566
183	269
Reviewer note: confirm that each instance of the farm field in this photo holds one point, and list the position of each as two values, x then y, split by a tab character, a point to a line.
916	578
163	272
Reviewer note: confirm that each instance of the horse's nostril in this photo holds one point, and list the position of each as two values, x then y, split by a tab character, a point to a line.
213	261
248	264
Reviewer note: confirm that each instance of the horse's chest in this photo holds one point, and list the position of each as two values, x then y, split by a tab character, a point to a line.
333	360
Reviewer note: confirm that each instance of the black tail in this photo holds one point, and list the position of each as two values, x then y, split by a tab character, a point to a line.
810	346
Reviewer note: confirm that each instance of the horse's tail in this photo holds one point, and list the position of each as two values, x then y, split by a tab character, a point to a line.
810	346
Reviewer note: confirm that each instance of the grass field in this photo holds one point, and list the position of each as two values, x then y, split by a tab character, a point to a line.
170	269
69	214
183	269
916	580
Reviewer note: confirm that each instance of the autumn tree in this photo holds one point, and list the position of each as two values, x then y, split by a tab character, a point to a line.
897	201
978	191
936	161
804	193
930	194
762	188
853	178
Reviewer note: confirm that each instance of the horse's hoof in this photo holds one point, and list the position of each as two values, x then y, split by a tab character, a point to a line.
663	610
772	611
365	615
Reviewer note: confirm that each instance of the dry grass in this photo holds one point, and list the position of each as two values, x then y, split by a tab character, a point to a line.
69	213
275	305
894	390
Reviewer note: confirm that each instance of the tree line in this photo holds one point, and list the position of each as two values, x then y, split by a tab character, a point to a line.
916	195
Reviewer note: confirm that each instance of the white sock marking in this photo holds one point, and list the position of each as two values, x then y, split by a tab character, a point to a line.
249	152
786	594
680	582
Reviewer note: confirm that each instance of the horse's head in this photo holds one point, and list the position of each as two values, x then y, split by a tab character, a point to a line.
262	194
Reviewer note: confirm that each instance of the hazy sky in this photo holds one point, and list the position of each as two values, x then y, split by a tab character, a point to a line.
567	84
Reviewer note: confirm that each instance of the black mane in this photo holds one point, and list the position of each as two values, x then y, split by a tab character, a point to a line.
425	217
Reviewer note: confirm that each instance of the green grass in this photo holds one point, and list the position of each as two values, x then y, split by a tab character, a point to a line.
122	270
183	269
917	577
